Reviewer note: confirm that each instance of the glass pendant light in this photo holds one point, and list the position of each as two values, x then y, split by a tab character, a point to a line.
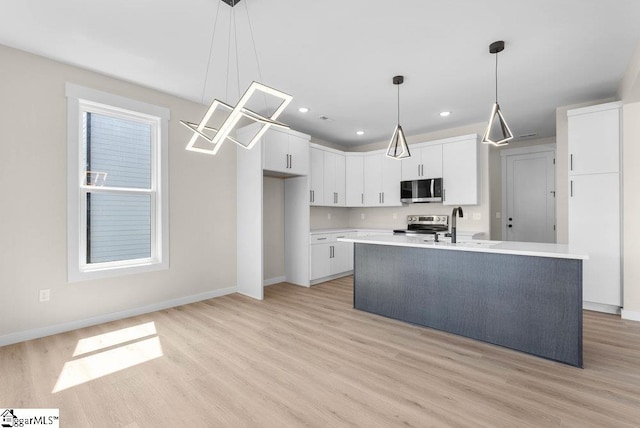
504	135
398	148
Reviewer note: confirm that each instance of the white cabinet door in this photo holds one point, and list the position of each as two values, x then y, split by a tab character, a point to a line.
342	257
319	260
391	175
276	147
594	142
412	166
329	169
354	186
298	155
594	227
431	161
340	180
373	180
316	177
460	178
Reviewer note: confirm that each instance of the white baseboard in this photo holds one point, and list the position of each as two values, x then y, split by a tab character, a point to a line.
599	307
276	280
630	315
332	277
37	333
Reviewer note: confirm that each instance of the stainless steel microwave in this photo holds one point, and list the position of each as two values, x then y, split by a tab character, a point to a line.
420	191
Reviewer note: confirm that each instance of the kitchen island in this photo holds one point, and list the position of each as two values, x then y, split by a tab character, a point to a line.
524	296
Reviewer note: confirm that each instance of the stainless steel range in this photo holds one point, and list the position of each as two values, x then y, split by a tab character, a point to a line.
425	224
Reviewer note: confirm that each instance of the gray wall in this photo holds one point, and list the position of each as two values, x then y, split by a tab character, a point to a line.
33	211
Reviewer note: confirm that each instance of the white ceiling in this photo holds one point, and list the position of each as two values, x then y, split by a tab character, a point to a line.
338	57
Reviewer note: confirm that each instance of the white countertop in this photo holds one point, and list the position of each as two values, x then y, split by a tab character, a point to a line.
348	229
534	249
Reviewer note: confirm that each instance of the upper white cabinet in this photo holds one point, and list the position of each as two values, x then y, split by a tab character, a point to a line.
334	179
354	186
381	180
594	138
316	177
425	162
286	151
327	177
460	172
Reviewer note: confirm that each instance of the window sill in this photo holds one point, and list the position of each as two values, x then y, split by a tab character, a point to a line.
89	274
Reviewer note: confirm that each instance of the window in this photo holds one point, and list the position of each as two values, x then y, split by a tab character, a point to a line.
117	185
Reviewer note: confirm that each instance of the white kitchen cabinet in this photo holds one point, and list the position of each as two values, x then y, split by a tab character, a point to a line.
460	172
354	186
594	201
286	152
381	180
594	138
328	257
334	179
316	177
425	162
594	228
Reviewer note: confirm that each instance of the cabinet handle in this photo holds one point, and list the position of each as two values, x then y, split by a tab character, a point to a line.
418	170
320	239
286	161
290	161
421	170
571	162
362	198
383	197
310	195
571	188
444	195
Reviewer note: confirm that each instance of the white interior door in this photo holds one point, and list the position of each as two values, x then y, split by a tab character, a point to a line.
530	197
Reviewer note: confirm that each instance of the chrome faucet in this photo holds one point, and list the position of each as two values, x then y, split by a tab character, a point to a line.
458	211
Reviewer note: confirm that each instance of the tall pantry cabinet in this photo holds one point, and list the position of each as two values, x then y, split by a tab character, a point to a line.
594	201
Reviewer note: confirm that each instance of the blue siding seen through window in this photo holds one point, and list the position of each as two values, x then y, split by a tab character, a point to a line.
117	154
120	149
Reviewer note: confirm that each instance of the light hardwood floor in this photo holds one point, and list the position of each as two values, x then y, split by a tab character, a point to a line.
304	357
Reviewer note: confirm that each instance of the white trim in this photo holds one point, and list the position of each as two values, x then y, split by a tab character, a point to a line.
421	144
327	149
528	150
272	281
599	307
81	99
331	277
37	333
595	108
630	315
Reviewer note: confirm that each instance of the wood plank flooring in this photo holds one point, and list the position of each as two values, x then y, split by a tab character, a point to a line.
304	357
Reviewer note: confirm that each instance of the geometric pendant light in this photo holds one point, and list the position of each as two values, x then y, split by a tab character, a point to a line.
398	148
501	135
240	113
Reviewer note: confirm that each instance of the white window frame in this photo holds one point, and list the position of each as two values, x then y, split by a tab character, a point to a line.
79	101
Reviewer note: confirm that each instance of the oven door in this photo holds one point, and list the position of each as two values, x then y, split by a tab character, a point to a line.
420	191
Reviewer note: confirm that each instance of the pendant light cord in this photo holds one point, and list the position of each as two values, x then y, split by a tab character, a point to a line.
255	50
496	77
398	104
235	38
213	34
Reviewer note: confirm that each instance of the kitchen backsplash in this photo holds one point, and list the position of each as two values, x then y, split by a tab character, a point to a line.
383	218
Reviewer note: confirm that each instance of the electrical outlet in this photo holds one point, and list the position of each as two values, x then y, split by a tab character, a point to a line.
395	216
44	295
477	216
328	216
498	215
362	216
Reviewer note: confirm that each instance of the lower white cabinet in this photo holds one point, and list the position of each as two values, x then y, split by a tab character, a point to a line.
329	257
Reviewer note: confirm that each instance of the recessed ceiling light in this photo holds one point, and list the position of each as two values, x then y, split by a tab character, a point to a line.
445	113
360	132
303	109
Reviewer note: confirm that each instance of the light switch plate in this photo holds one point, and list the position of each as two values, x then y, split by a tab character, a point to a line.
44	295
477	216
362	216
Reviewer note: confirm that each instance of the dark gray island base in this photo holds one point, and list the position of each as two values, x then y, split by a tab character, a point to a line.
530	304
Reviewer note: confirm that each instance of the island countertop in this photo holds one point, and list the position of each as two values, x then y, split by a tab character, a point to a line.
534	249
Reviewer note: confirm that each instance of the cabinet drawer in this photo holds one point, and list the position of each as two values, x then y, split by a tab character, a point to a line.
322	238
